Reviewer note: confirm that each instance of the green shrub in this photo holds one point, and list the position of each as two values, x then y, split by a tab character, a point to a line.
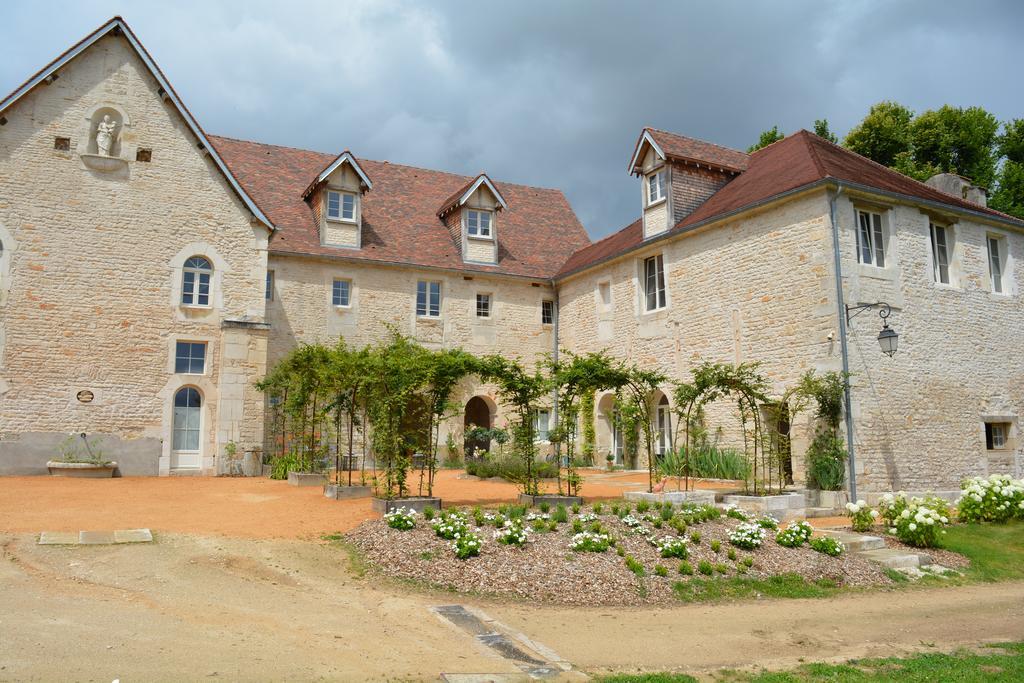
666	512
915	521
705	568
544	507
826	462
660	570
716	545
673	547
598	508
560	515
466	546
575	508
634	565
428	513
999	498
695	537
577	526
731	554
685	568
794	535
282	465
747	561
721	568
643	506
706	461
827	545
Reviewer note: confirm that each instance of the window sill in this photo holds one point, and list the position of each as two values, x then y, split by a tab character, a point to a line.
341	309
347	221
195	307
868	270
947	287
420	316
656	202
481	238
654	311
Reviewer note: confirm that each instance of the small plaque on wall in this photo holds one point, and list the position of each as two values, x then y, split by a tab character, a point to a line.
85	396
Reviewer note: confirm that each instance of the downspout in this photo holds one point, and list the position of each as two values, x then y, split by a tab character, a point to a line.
554	357
841	312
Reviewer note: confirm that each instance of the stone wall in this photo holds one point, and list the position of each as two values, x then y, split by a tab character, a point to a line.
94	261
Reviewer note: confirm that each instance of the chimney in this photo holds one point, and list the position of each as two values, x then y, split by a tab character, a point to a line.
958	186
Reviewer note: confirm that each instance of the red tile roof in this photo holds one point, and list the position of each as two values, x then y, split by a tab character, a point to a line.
691	149
794	162
536	233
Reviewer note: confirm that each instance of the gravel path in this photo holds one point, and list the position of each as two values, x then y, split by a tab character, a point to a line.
547	569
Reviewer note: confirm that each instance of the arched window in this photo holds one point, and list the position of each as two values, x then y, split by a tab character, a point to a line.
188	404
195	282
663	425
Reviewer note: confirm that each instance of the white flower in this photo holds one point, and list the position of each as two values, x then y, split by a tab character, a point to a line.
874	514
912	527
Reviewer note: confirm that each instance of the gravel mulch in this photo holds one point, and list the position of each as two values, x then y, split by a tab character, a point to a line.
547	569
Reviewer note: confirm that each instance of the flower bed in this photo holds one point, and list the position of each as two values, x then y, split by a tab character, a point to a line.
583	561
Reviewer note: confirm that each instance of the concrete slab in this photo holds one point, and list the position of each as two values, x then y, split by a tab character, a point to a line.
853	541
58	538
896	559
95	537
133	536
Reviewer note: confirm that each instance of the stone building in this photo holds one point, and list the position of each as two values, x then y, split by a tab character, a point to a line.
150	274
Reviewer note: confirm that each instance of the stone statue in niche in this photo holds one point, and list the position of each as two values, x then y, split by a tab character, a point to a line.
105	135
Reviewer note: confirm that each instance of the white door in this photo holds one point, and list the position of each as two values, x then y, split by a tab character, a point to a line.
185	449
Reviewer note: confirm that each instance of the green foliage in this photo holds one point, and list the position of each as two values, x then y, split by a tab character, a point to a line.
1009	194
998	498
827	545
766	138
996	551
716	546
883	134
634	565
282	465
560	515
466	546
826	462
511	468
826	455
660	570
80	448
705	568
821	129
685	568
732	588
589	429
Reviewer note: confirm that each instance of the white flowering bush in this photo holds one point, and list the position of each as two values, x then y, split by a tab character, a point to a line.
919	521
587	518
862	516
732	511
402	519
534	516
794	535
998	498
747	536
827	545
512	533
767	522
632	522
451	526
673	546
591	542
466	545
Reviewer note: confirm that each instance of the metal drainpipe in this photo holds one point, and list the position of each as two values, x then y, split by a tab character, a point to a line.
554	356
841	312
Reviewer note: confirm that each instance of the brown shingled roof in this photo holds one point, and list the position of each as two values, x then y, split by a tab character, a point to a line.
794	162
685	148
536	233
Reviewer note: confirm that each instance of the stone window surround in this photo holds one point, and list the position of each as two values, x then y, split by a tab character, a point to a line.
490	307
641	285
1009	282
440	300
602	306
891	269
353	291
172	344
489	237
1011	436
554	312
220	267
954	250
10	245
662	169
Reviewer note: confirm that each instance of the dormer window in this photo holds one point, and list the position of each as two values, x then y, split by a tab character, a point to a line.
478	223
341	206
655	187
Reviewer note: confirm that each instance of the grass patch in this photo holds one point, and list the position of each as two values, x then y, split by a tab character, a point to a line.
733	588
996	551
1002	662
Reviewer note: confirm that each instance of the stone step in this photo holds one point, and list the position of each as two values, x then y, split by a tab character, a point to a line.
897	559
855	542
822	512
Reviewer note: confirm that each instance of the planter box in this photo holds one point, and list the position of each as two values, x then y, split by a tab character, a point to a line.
343	492
675	497
784	508
306	479
552	500
419	504
83	470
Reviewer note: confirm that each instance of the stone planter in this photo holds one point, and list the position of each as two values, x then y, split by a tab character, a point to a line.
418	504
82	470
306	479
784	507
343	492
552	500
675	497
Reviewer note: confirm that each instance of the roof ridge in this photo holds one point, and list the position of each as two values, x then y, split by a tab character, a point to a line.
809	143
702	140
468	178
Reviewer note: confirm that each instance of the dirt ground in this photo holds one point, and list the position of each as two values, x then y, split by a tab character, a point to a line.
236	507
191	607
238	586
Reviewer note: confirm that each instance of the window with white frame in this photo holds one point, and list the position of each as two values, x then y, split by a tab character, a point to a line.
478	223
996	263
940	252
428	299
269	295
341	206
541	424
547	312
654	283
195	282
483	305
190	358
655	187
188	404
341	293
870	240
663	426
997	435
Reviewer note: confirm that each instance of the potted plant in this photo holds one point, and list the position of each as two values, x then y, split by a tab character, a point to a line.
610	459
73	462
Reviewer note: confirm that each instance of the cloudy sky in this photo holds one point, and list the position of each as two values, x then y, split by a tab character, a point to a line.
544	92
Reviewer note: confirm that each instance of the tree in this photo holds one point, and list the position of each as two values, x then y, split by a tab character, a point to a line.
821	129
883	134
1008	196
767	137
955	140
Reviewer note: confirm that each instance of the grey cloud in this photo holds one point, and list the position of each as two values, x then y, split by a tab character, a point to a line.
544	93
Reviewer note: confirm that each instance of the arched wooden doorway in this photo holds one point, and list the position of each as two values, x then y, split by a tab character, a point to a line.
478	414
